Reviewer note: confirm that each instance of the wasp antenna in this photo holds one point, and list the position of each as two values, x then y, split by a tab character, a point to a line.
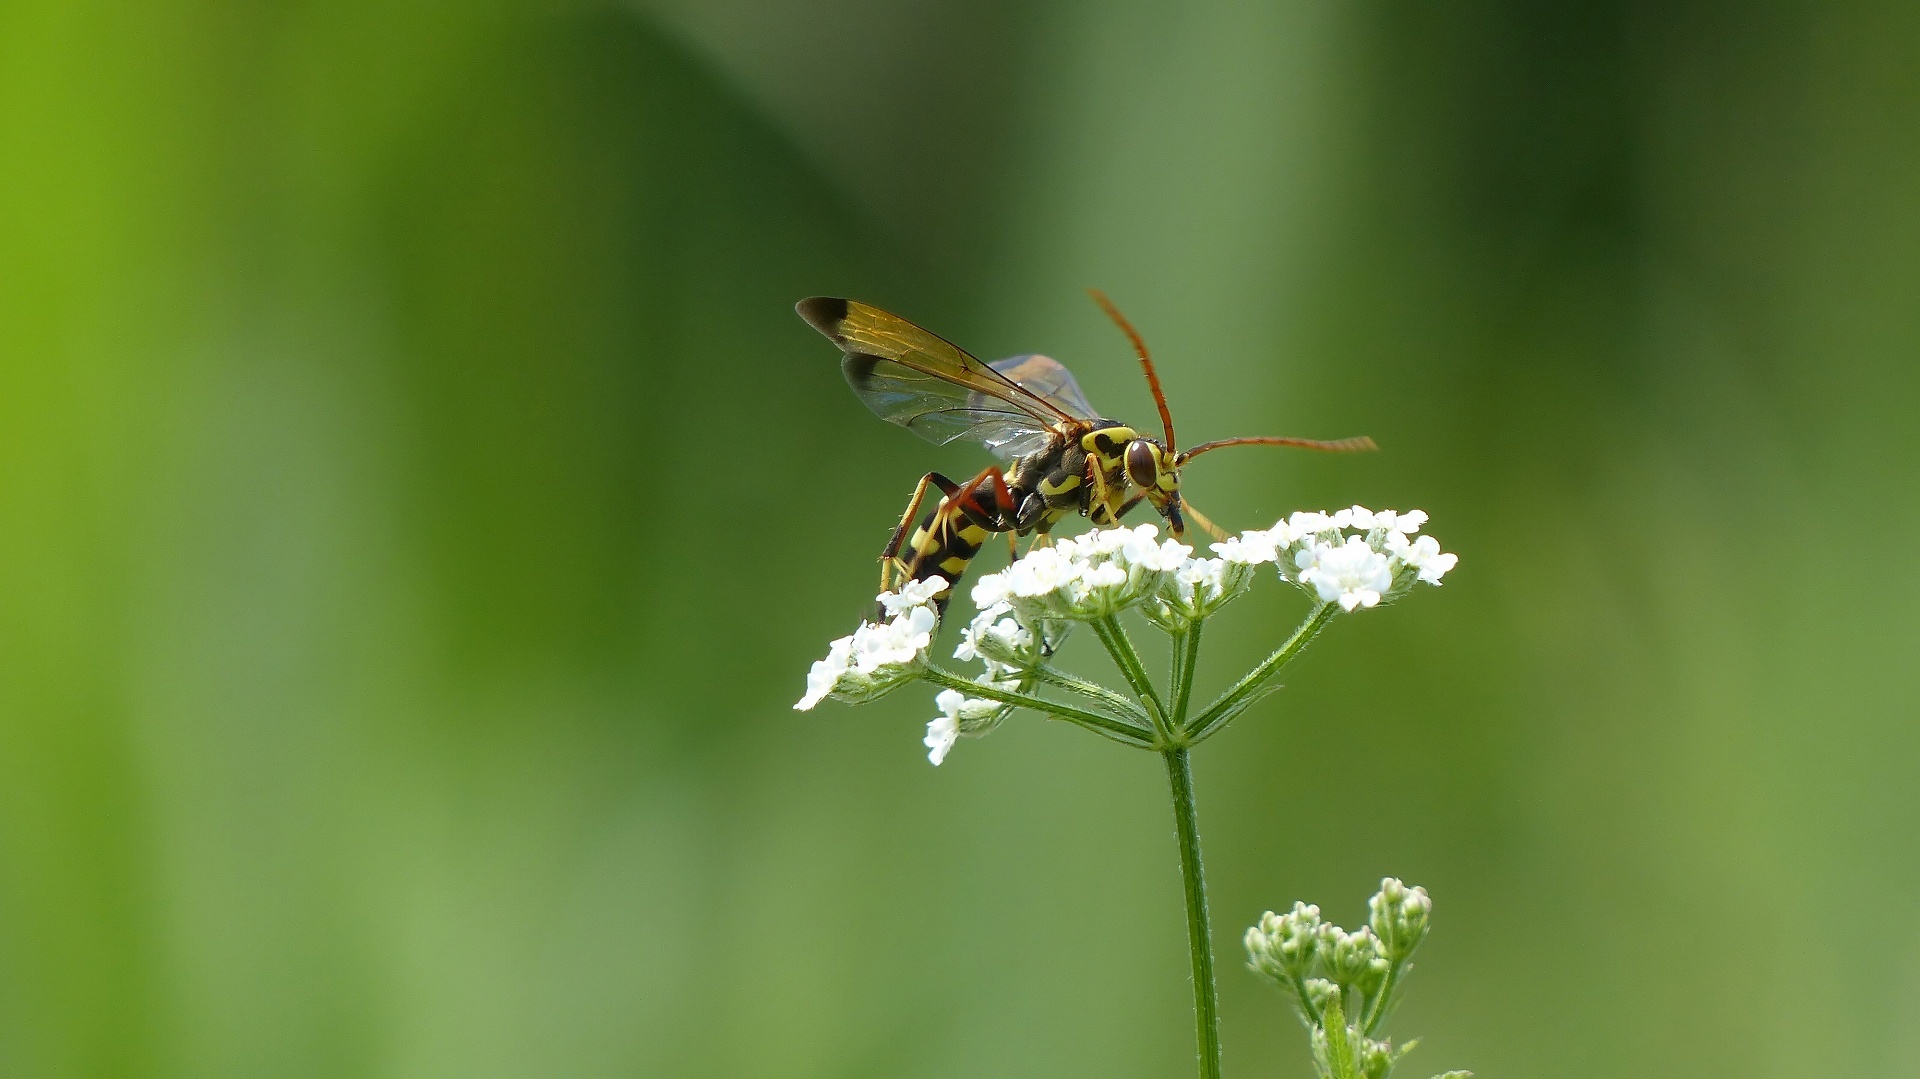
1362	444
1146	361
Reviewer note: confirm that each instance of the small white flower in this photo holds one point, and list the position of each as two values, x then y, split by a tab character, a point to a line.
1249	548
1403	523
1359	517
1166	558
1137	545
1046	570
887	644
1423	554
941	734
1306	523
1352	574
992	636
990	591
912	594
959	714
1198	574
1111	541
1104	575
826	673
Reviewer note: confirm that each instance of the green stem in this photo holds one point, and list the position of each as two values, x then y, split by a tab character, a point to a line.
1186	657
1377	1011
1124	657
1306	1004
1054	676
1206	1003
1119	730
1245	691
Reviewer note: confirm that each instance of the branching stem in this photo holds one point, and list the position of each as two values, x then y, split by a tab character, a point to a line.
1121	648
1248	689
1119	703
1119	730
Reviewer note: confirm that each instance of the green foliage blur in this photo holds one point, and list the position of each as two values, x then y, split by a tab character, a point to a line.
419	506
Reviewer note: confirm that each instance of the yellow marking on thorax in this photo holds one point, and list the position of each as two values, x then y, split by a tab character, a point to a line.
1115	437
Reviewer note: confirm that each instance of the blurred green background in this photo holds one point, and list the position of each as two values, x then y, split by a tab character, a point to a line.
419	507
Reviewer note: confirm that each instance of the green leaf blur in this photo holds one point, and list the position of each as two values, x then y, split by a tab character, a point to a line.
419	507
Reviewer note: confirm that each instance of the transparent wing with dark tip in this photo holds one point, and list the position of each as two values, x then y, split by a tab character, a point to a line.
940	411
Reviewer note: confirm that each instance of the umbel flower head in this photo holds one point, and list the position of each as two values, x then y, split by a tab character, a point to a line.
878	656
1358	557
1352	559
1081	578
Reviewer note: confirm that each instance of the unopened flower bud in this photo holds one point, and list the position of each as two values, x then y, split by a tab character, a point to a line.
1285	946
1376	1058
1319	992
1398	916
1354	960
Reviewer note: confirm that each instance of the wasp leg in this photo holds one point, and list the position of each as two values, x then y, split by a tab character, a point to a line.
1096	490
890	557
1001	517
953	532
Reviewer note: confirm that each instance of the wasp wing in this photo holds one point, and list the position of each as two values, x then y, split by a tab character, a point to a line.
928	385
1049	380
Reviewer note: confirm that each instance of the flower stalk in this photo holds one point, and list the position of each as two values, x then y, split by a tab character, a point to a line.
1206	996
1347	561
1113	727
1120	647
1252	686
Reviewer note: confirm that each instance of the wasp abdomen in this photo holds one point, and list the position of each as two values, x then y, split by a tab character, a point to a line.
944	544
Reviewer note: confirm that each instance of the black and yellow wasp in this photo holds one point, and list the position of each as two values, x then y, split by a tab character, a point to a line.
1062	458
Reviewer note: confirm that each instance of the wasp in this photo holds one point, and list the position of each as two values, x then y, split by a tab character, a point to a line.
1059	457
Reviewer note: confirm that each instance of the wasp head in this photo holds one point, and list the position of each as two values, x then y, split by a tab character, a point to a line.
1157	474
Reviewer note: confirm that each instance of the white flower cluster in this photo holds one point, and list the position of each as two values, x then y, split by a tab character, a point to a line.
1008	650
878	656
1084	577
1355	557
1382	561
1202	586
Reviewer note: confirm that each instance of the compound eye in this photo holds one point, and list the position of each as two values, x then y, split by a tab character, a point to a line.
1143	464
